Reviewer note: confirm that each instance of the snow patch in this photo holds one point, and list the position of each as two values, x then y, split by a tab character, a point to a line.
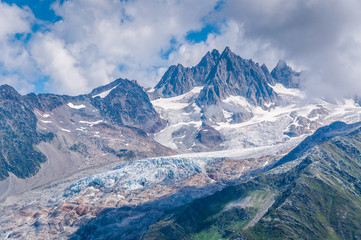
178	102
43	115
238	101
104	94
151	90
45	121
91	123
65	130
81	129
280	89
76	106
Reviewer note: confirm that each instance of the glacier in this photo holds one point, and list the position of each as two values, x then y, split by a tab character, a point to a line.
143	174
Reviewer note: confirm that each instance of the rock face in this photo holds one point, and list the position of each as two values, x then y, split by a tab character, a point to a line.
283	74
126	104
110	124
179	79
246	104
209	136
222	88
235	76
221	75
315	196
19	136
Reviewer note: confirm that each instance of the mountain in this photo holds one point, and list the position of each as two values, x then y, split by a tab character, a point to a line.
218	150
19	136
48	136
242	102
220	75
178	80
321	135
284	74
315	196
126	104
235	76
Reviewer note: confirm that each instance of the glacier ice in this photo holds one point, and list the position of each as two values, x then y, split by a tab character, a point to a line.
143	173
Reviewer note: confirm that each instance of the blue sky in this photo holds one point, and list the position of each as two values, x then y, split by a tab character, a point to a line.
73	46
41	9
52	24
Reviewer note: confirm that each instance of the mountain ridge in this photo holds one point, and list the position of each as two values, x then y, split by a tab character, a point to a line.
315	196
110	144
67	133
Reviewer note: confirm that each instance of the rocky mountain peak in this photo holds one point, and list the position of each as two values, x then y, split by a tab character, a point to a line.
215	53
8	92
210	59
178	79
236	76
18	136
125	103
119	109
220	75
285	75
227	51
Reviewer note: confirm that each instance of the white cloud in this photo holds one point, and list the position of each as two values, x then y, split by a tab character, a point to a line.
13	20
99	41
15	61
102	40
321	36
57	62
232	35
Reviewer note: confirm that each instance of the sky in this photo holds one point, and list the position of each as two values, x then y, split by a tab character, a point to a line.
73	46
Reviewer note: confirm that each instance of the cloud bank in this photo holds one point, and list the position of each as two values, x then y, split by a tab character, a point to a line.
321	37
96	42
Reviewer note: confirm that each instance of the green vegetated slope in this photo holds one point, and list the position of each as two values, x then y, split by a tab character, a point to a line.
318	196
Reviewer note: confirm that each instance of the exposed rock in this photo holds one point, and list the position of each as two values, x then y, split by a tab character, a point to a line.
127	104
315	196
209	136
283	74
110	124
238	77
240	117
18	136
179	79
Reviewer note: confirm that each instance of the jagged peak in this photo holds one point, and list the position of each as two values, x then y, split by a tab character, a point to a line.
180	66
264	68
7	91
112	85
210	57
281	64
227	52
7	87
285	75
215	54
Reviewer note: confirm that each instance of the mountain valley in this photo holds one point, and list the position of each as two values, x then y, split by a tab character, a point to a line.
223	150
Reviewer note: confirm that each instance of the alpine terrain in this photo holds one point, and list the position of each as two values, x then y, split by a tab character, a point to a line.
226	149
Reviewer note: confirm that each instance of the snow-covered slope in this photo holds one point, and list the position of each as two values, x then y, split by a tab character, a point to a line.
284	123
221	137
73	133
